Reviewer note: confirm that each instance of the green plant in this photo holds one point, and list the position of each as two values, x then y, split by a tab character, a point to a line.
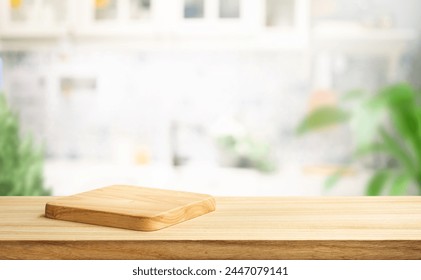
20	163
388	123
248	152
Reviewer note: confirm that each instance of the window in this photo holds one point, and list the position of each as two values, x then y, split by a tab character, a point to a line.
140	9
194	8
229	8
280	13
36	11
105	9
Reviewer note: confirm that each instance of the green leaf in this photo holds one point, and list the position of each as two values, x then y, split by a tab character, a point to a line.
332	180
393	95
418	116
377	183
368	149
321	118
398	152
353	95
404	112
366	118
400	184
20	161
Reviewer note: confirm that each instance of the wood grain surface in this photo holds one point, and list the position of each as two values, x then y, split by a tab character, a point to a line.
130	207
240	228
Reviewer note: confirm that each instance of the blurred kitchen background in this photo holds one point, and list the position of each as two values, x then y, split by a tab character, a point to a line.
199	95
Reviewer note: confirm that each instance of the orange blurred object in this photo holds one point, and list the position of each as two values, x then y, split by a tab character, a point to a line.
321	98
15	4
143	156
100	4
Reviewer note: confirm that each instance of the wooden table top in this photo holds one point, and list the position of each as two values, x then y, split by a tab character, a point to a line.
240	228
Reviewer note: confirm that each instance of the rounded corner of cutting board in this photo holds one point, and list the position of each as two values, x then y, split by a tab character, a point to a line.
148	224
49	210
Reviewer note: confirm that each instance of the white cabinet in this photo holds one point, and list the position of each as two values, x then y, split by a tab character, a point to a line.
33	18
199	23
114	17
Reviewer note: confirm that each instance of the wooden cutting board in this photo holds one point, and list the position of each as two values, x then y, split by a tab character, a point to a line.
130	207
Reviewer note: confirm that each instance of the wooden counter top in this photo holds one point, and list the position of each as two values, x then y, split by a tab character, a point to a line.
240	228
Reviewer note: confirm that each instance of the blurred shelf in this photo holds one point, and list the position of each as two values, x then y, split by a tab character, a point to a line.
147	43
358	39
68	177
32	33
329	170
